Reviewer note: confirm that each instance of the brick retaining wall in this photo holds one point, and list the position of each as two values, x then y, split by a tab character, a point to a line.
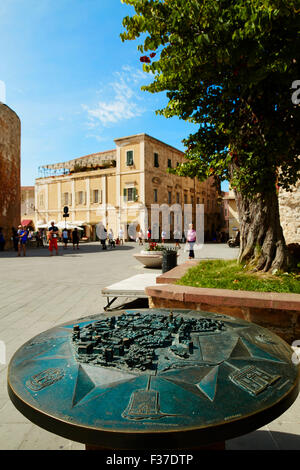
277	312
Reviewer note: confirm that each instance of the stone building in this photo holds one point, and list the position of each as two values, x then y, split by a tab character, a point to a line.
10	142
289	206
118	187
27	206
230	214
289	209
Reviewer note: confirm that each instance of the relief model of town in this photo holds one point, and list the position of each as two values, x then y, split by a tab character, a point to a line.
142	342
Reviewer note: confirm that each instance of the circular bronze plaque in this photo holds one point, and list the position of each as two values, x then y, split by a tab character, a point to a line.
153	378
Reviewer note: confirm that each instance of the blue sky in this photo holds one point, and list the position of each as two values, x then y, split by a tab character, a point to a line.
73	83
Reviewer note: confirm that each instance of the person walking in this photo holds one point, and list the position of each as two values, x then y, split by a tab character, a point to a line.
52	237
111	240
23	235
191	239
2	240
163	236
140	237
121	236
75	238
65	237
14	238
149	235
177	236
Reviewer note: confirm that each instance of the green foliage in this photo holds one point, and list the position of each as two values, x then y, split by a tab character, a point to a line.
221	274
227	66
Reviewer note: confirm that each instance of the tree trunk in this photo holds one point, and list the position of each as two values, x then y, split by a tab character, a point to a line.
262	243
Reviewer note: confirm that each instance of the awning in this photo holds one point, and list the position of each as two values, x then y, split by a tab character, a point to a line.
67	225
26	222
78	222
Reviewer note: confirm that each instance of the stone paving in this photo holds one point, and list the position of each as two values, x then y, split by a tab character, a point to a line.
38	292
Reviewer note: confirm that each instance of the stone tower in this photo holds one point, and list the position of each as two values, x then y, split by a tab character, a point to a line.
10	184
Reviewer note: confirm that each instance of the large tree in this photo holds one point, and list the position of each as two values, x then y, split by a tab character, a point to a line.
229	66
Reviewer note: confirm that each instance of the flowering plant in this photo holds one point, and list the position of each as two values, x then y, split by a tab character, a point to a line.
155	247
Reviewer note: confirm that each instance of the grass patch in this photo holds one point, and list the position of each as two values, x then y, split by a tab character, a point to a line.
228	274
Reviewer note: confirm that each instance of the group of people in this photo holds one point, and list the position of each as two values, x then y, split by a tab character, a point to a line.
53	236
22	234
109	236
190	238
19	238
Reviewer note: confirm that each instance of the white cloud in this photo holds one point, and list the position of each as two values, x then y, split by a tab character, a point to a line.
124	102
2	92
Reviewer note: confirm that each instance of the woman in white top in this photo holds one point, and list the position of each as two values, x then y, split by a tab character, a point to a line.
191	239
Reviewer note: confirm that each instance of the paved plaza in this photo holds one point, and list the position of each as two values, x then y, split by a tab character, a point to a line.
38	292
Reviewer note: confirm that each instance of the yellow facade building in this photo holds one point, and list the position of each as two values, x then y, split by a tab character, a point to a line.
118	187
231	213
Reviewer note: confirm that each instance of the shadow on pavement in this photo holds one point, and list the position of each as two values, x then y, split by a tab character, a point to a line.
84	248
265	440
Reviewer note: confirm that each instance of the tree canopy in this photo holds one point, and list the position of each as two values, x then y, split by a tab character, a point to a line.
227	66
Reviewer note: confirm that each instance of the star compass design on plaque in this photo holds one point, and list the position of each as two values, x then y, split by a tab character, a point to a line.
155	368
194	354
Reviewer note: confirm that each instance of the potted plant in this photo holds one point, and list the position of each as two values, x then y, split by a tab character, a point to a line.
151	257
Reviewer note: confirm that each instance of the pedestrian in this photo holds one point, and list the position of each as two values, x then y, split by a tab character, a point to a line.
2	240
75	238
65	237
140	237
52	237
177	236
121	236
111	240
163	236
14	238
191	239
149	234
38	238
23	235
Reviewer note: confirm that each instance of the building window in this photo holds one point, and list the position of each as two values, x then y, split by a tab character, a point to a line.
81	197
41	200
156	164
130	194
155	195
185	199
169	197
96	196
177	198
198	200
129	158
66	199
169	163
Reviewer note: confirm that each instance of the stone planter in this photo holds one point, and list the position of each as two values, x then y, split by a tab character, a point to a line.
150	259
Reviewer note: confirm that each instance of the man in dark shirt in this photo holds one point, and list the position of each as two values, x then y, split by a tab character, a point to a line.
53	236
22	235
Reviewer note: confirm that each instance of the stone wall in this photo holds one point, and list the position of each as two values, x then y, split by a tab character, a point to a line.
289	206
10	187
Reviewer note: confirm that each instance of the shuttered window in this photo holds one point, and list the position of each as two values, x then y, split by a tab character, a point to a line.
80	198
129	157
130	194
